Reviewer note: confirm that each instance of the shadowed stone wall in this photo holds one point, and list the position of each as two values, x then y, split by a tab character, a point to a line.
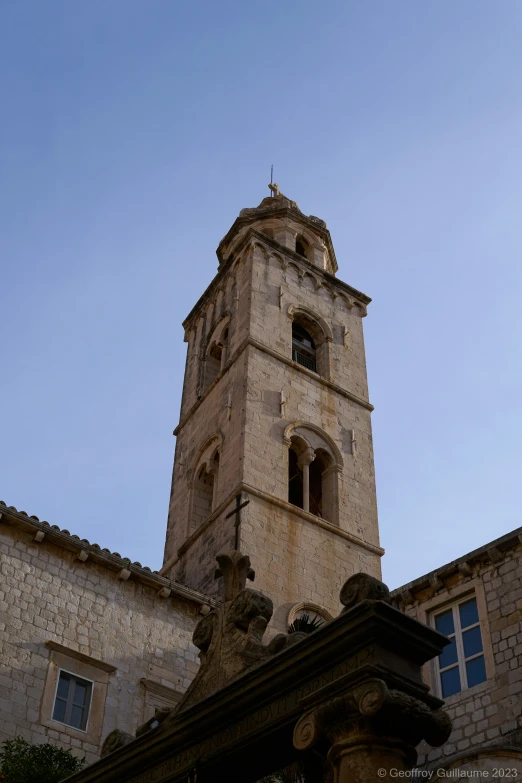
48	596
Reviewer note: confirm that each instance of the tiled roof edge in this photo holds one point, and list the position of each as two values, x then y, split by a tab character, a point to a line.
113	561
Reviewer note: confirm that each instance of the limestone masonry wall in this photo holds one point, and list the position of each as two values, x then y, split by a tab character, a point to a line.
297	561
489	713
47	595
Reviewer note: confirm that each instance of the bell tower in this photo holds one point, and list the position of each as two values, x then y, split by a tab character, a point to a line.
275	418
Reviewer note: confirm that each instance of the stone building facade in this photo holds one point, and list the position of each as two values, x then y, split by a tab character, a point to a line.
477	601
275	417
68	606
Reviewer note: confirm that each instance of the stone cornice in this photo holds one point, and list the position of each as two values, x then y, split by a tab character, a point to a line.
111	561
304	263
158	689
253	234
315	225
106	667
299	512
283	504
466	565
276	355
273	695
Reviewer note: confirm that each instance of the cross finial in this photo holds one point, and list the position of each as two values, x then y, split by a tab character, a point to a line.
274	187
235	569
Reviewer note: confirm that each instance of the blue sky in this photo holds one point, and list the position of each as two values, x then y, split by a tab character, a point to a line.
132	134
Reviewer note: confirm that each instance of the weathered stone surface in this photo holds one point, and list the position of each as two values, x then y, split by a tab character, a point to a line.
490	713
230	639
363	587
48	595
353	686
262	281
116	739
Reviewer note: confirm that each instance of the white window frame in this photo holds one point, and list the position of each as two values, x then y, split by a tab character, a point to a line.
461	658
75	677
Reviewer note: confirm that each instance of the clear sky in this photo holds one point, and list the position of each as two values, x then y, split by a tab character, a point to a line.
133	131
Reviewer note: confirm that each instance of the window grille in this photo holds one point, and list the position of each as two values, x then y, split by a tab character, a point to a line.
304	360
73	701
303	347
461	664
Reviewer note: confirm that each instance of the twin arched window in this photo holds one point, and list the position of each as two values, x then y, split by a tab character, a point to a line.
313	468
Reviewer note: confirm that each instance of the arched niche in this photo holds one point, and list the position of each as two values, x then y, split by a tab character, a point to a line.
204	482
217	351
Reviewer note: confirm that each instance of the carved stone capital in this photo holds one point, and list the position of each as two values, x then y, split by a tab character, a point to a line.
330	719
371	726
306	457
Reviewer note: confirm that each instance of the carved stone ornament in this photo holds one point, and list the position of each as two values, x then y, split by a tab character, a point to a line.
230	638
116	739
372	710
363	587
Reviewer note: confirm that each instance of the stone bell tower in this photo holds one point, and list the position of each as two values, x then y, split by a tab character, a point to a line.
275	412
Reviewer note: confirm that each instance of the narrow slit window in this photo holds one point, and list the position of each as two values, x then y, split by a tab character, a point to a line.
295	480
301	247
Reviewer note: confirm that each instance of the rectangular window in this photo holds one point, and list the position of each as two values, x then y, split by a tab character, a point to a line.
72	701
461	664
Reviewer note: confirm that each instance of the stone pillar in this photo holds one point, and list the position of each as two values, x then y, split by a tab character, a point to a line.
305	459
375	726
370	731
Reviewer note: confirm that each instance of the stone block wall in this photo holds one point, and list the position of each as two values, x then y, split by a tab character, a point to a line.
300	286
490	713
213	419
308	401
296	560
48	596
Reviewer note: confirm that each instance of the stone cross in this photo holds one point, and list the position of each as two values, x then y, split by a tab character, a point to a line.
274	187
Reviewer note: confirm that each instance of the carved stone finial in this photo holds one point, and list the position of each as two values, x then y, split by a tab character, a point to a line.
230	639
363	587
235	570
116	739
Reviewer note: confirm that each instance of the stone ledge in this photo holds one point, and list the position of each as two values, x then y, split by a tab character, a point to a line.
298	512
71	653
376	550
158	689
259	236
249	341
